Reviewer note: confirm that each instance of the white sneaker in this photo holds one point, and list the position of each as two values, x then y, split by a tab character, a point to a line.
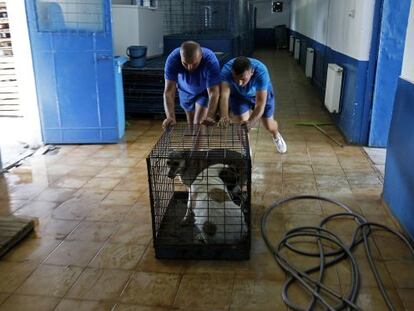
281	146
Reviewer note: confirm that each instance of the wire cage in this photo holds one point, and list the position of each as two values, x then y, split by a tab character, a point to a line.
209	22
200	191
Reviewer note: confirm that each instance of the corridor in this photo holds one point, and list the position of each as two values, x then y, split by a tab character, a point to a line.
92	249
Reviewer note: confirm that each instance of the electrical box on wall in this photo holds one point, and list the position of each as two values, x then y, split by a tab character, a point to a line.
277	6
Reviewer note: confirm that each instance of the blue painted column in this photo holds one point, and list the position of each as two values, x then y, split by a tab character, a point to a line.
390	56
399	172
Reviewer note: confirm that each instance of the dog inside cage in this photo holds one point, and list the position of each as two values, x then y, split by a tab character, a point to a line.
190	166
217	217
200	197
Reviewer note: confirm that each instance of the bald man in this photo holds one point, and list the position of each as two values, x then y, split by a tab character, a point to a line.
195	72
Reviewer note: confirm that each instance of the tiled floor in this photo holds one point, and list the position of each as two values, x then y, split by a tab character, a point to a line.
378	157
93	250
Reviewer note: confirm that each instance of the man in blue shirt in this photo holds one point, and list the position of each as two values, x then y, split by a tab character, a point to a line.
245	83
195	72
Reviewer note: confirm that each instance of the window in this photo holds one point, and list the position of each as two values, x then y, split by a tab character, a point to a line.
277	6
70	15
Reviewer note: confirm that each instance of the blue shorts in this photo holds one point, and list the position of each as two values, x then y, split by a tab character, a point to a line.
188	102
239	105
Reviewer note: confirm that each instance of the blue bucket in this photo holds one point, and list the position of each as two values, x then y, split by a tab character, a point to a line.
137	55
136	51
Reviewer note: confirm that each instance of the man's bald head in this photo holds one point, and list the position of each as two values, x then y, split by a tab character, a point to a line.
191	55
190	49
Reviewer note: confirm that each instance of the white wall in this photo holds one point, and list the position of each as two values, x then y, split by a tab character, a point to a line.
408	63
267	19
344	26
134	25
151	31
31	133
350	27
309	17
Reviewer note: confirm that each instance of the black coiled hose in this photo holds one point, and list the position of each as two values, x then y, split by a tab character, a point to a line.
327	258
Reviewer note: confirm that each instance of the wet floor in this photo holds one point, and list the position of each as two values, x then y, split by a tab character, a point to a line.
93	249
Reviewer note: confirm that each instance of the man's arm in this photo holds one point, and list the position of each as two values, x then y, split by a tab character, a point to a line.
224	104
213	97
213	81
258	110
169	103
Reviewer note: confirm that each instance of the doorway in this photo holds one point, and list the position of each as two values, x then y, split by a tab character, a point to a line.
19	116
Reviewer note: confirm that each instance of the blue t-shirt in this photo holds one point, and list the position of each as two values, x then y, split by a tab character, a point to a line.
196	82
260	80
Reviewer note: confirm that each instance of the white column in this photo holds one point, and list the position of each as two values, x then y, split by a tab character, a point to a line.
25	73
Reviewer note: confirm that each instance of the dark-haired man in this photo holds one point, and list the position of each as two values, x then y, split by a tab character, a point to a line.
195	72
246	86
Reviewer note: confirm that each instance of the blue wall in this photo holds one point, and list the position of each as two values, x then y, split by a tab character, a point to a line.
399	172
353	119
390	55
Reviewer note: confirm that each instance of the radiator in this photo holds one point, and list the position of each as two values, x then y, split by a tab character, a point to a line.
309	62
291	43
333	87
297	49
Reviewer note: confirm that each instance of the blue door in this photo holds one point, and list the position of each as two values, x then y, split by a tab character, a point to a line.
71	43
